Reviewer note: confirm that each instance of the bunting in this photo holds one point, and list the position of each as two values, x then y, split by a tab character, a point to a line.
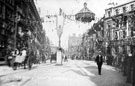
30	22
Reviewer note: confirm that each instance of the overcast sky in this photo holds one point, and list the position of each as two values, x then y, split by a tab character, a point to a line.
51	7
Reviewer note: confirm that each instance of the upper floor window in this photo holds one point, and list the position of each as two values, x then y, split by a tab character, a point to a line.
124	34
117	11
116	35
109	13
124	9
132	7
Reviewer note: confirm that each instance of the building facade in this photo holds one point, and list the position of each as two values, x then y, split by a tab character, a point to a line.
6	25
93	40
74	43
119	30
21	26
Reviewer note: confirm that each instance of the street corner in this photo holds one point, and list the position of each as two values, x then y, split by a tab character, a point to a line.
13	80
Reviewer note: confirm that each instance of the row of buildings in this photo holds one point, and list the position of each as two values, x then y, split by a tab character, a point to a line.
114	35
74	43
119	26
20	26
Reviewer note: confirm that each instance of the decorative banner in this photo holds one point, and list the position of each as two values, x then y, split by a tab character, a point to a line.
59	31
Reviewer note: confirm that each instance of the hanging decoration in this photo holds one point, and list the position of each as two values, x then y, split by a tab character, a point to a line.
85	15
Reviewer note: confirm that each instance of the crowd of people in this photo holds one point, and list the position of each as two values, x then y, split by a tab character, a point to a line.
124	63
24	57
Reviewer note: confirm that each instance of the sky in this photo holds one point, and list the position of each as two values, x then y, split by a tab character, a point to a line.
70	7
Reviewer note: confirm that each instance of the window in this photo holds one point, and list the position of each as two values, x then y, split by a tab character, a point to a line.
132	32
116	35
109	13
124	34
124	9
117	11
132	7
124	20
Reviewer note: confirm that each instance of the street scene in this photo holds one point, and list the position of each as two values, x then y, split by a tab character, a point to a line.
67	43
72	73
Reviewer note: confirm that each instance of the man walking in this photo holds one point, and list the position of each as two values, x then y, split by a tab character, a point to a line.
99	61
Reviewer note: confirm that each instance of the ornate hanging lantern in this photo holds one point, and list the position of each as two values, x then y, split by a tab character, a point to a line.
85	15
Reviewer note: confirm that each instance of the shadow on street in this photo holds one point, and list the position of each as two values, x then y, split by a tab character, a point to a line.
108	77
20	70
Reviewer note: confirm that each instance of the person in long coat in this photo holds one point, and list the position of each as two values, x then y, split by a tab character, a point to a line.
99	61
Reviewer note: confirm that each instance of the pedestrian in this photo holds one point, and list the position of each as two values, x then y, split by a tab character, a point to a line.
99	61
65	59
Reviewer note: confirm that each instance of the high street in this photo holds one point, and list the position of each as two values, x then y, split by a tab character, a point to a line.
72	73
